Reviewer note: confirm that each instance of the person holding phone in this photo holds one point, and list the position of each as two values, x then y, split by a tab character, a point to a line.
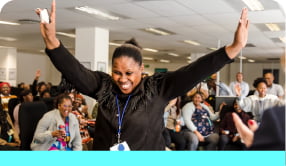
131	108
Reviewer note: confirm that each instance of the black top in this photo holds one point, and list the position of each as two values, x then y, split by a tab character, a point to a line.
142	124
271	132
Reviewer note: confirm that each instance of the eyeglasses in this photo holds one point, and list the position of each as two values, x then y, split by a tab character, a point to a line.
66	106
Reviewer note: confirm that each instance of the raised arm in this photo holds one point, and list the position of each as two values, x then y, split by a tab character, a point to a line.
182	80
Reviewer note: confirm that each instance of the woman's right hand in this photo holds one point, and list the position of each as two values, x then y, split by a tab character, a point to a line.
58	133
48	30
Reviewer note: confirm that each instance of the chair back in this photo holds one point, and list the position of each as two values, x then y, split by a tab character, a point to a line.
29	115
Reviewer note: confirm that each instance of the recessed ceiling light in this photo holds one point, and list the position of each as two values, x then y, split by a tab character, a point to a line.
283	39
273	27
164	61
114	44
173	54
10	39
71	35
158	31
254	5
150	50
9	23
251	60
192	42
212	48
148	58
242	57
97	12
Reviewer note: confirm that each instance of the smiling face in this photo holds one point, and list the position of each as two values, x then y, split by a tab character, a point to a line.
197	99
126	73
5	90
65	107
262	89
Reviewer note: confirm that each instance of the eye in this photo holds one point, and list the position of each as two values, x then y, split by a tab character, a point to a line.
129	73
116	72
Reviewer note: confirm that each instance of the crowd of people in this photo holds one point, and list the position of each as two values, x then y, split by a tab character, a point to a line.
136	112
191	122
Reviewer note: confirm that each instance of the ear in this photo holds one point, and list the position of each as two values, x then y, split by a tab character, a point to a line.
142	67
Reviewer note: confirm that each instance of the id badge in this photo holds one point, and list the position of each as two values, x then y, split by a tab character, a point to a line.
123	146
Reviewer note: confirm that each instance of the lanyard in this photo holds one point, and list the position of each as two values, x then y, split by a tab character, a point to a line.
120	116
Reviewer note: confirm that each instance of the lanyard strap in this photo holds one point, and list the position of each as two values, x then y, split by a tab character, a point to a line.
120	116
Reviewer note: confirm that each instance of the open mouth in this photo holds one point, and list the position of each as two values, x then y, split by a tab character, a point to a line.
125	86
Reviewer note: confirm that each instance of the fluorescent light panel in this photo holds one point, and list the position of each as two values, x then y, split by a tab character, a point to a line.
159	31
150	50
212	48
9	23
148	58
251	60
71	35
242	57
173	54
10	39
114	44
283	39
97	12
164	61
273	27
254	5
192	42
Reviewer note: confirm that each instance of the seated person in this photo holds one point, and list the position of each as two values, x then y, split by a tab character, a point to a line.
256	104
173	121
197	118
9	138
5	95
228	130
58	129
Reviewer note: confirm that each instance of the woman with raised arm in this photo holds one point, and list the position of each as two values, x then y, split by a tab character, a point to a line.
131	108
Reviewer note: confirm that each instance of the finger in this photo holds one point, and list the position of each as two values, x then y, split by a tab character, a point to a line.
53	11
38	11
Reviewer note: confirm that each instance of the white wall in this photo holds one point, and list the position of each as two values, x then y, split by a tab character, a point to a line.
8	64
28	64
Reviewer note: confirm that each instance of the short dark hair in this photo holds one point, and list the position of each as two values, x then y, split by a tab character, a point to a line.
61	98
258	81
130	49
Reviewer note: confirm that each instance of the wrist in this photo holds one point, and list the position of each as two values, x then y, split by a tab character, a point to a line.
232	50
52	43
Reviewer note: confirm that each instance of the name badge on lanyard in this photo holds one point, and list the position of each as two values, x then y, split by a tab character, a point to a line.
123	146
120	145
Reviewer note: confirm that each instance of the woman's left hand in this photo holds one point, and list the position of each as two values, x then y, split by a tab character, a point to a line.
240	37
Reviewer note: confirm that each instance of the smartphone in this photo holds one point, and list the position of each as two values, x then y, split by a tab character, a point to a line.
44	15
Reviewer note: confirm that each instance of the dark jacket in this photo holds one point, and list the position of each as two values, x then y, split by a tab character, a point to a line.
271	132
143	121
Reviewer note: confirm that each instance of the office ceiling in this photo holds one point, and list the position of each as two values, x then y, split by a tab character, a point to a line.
208	22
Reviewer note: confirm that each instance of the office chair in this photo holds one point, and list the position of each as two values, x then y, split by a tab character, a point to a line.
29	115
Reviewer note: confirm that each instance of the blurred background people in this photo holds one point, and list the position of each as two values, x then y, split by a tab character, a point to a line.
242	85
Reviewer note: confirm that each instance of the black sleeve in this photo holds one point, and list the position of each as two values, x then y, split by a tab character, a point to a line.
271	132
34	87
177	83
83	79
